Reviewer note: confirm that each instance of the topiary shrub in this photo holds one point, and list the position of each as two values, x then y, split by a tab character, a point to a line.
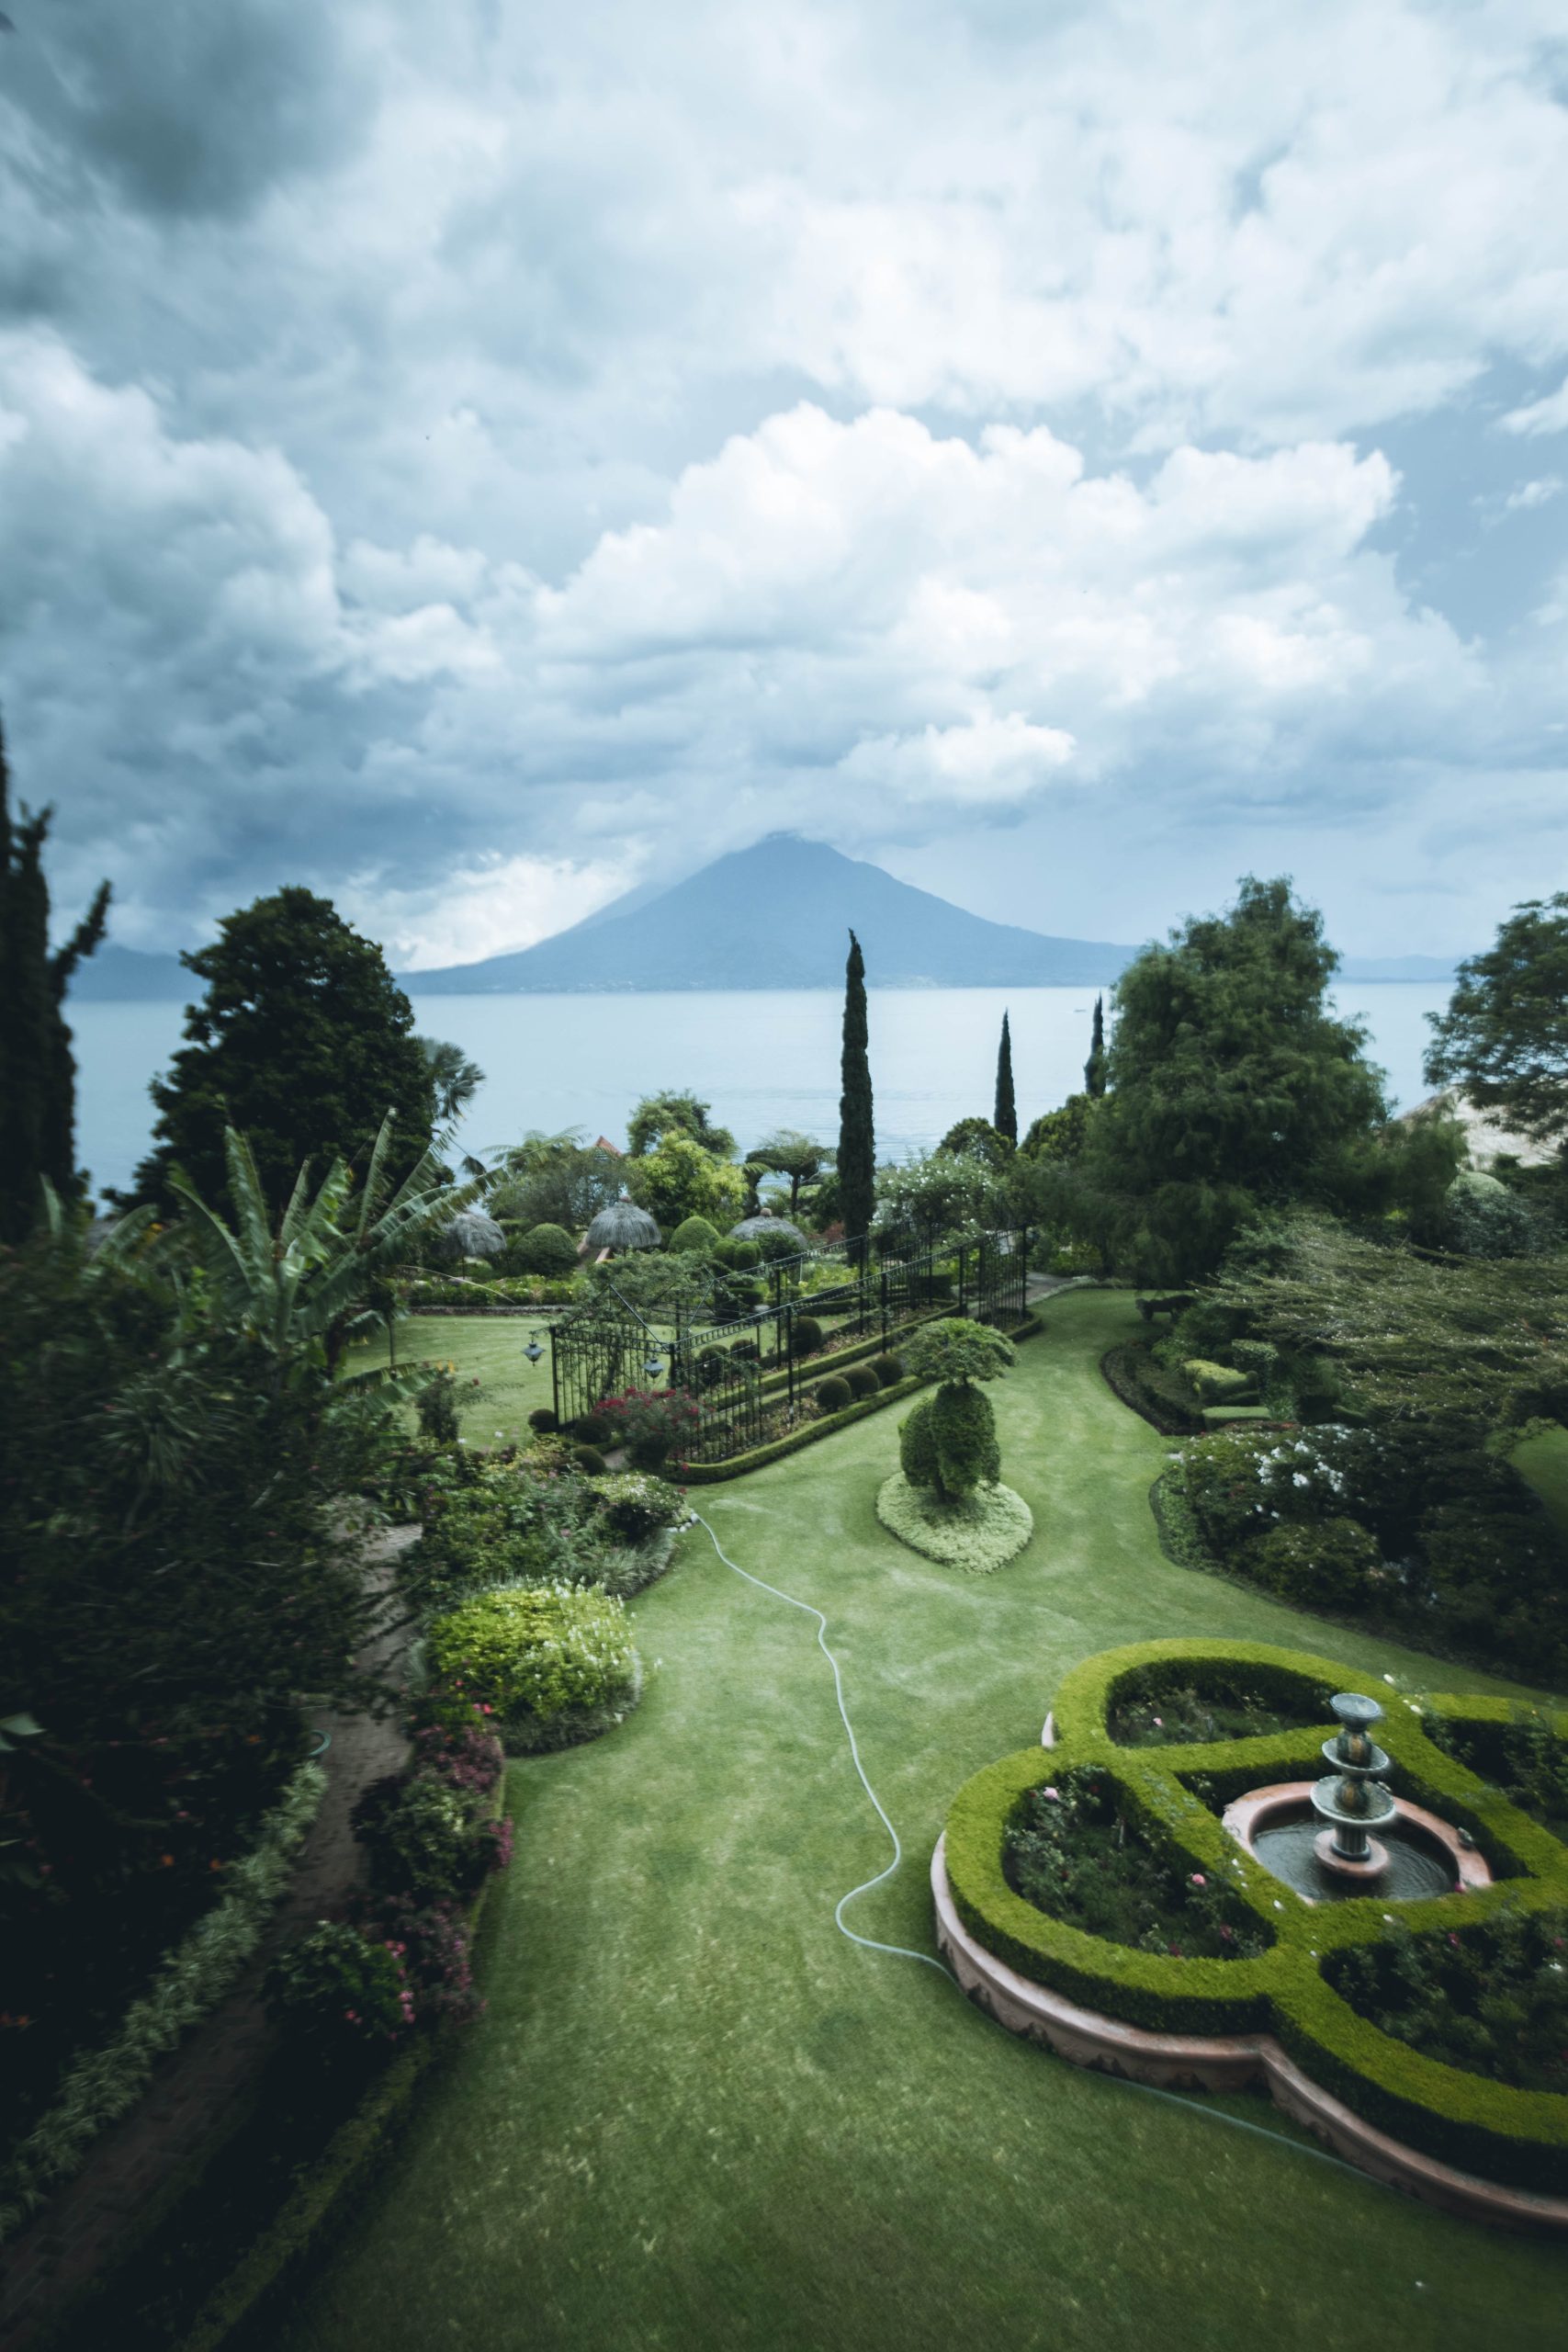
554	1663
544	1249
1217	1384
740	1256
592	1429
833	1394
695	1237
590	1461
862	1379
807	1335
543	1419
952	1436
889	1370
1324	1562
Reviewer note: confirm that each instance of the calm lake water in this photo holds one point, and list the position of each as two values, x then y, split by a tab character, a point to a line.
763	1060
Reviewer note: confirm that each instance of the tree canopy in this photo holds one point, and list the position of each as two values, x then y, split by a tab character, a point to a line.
788	1153
303	1041
953	1348
556	1180
978	1139
454	1078
679	1180
1004	1120
657	1116
1504	1038
1230	1084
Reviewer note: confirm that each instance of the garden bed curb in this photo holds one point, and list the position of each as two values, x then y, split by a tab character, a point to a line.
1218	2062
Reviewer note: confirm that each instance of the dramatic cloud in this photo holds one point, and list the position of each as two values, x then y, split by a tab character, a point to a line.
473	462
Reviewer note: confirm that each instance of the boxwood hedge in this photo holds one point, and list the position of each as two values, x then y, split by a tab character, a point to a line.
1471	2122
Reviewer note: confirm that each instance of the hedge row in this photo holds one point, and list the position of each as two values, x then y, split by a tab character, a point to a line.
1468	2121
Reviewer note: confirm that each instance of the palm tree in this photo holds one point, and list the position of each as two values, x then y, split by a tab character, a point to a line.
454	1078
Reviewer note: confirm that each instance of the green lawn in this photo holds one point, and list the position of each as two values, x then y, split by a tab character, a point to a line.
489	1347
697	2118
1543	1460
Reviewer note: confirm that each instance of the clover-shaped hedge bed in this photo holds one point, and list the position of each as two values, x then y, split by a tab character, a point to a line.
1468	2121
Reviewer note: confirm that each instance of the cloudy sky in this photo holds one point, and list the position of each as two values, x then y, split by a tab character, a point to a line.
475	457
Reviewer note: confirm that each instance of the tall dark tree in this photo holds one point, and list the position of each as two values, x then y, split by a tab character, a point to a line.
1094	1068
1006	1120
38	1076
303	1041
857	1139
1504	1038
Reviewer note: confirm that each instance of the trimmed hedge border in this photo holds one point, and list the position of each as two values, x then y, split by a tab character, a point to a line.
1469	2121
714	1474
1123	1387
102	2085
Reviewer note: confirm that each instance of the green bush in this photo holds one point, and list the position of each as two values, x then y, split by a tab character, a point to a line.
590	1461
422	1837
1216	1384
807	1335
1316	1564
543	1419
340	1991
545	1658
548	1250
695	1236
635	1507
862	1379
833	1394
889	1370
592	1429
739	1257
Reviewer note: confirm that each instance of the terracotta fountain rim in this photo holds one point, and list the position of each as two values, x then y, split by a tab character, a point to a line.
1245	1815
1219	2061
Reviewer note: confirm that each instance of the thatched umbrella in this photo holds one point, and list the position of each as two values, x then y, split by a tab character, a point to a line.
763	1227
623	1225
471	1234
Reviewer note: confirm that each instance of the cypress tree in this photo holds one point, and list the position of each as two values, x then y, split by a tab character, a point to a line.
38	1076
857	1144
1094	1068
1006	1120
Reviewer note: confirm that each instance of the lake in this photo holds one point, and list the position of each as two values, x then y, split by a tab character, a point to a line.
762	1059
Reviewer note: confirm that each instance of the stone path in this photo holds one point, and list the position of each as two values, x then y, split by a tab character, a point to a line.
76	2233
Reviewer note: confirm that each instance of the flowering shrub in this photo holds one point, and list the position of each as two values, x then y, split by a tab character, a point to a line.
1493	2001
1241	1484
424	1838
634	1507
519	1522
1072	1851
651	1423
341	1989
532	1654
431	1942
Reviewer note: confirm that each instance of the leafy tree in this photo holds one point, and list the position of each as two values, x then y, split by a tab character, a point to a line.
857	1139
948	1442
1230	1085
1094	1068
1006	1120
657	1116
1504	1038
454	1078
1061	1135
788	1153
977	1139
37	1076
556	1180
303	1041
946	1192
680	1179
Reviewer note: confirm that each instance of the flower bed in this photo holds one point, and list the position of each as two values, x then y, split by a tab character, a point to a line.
979	1533
1499	2130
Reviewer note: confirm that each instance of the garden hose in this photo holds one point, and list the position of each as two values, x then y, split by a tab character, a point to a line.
928	1960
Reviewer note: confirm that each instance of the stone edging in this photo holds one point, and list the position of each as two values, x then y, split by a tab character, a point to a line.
1219	2061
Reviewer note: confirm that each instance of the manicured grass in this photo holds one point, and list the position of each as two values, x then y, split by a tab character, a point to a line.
1543	1461
485	1347
697	2118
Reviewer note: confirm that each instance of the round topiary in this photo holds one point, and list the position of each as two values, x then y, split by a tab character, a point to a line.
807	1335
979	1533
833	1394
738	1256
546	1250
695	1236
591	1462
889	1370
592	1429
555	1662
862	1379
543	1419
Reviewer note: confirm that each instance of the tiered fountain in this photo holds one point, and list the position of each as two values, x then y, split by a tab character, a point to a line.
1317	1834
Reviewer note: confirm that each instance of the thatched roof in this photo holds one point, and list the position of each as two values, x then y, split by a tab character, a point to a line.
758	1229
623	1225
471	1234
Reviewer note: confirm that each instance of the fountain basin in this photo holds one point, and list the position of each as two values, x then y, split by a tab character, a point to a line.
1418	1854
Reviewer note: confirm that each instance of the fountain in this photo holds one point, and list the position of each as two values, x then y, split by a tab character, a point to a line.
1416	1855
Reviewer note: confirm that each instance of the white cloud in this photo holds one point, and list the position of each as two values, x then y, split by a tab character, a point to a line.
1531	494
1547	416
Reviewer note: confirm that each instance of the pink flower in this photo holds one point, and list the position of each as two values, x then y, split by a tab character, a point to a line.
1198	1879
1053	1796
1159	1723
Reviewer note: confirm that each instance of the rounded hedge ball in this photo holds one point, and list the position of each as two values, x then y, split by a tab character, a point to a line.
984	1532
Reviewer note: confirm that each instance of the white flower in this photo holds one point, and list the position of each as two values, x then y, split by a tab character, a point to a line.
1388	1677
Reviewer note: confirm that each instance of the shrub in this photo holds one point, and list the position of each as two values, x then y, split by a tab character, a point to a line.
340	1990
430	1941
862	1379
739	1257
1323	1562
592	1429
651	1423
534	1655
436	1407
977	1532
543	1419
889	1370
549	1249
634	1507
807	1335
833	1394
424	1837
949	1442
590	1461
694	1236
1216	1384
1077	1850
